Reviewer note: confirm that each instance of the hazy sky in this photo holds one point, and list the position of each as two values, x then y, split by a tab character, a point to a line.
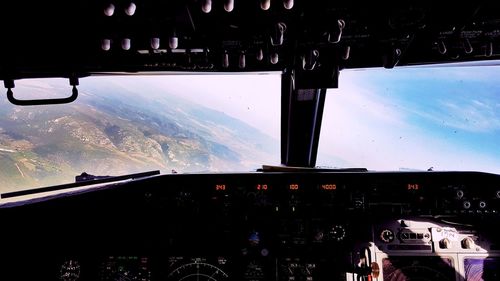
405	118
416	118
253	98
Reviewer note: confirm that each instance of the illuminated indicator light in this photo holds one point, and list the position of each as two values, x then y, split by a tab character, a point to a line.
293	187
329	186
220	187
262	187
413	186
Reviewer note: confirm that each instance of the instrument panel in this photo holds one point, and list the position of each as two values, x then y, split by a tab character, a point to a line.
261	226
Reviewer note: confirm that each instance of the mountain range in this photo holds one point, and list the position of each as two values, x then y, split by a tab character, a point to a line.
113	130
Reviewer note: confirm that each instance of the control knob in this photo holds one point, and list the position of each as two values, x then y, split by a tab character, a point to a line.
445	243
468	243
387	236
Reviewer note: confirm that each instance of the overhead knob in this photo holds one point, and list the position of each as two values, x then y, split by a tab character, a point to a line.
467	46
441	47
288	4
229	5
109	10
489	49
130	9
260	55
445	243
206	6
225	60
265	4
468	243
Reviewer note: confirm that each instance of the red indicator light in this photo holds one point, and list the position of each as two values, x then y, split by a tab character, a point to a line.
220	187
293	187
329	186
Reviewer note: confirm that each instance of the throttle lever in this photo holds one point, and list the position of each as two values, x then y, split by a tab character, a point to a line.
363	269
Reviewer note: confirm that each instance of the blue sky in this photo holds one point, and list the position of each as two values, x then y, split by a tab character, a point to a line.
414	118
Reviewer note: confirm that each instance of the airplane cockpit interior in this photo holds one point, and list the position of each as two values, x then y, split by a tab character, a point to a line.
249	140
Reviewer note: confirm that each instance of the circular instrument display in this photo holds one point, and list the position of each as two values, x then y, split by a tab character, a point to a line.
70	270
197	269
387	236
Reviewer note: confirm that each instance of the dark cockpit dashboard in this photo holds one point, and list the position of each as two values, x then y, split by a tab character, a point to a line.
299	225
260	226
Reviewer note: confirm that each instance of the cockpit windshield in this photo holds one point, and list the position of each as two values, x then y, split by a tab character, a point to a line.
135	123
408	118
414	118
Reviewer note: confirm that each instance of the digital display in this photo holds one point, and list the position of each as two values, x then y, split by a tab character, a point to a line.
328	186
220	187
293	186
413	186
482	269
262	187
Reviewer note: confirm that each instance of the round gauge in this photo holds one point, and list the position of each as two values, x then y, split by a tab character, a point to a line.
197	270
387	236
70	270
296	269
337	233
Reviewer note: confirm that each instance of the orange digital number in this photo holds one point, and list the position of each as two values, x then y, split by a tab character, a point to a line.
413	186
262	187
329	186
294	187
220	187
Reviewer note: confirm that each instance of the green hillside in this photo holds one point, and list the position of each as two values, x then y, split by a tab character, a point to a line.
109	133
